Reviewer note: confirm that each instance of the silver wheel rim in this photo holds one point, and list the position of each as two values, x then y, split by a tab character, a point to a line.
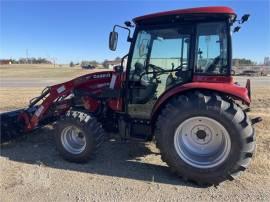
73	140
202	142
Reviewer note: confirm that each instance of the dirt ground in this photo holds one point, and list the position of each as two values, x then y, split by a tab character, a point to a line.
32	170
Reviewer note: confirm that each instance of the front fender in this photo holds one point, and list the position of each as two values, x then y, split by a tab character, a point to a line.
233	90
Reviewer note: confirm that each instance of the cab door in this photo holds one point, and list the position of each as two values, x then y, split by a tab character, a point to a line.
160	60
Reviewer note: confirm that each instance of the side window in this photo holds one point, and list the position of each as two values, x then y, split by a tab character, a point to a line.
141	49
211	49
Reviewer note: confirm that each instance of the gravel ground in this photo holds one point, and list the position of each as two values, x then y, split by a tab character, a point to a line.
32	170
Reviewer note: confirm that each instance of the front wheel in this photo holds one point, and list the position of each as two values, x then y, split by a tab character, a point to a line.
78	135
205	138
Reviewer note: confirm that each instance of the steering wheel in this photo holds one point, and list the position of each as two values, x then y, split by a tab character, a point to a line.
156	71
180	67
156	68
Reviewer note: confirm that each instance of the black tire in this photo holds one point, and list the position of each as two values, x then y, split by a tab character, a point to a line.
222	110
90	128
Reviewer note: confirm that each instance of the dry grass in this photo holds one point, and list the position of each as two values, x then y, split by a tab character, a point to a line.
26	71
15	98
261	107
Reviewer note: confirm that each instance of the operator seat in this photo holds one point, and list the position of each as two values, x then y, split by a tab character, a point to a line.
213	66
143	89
169	81
182	76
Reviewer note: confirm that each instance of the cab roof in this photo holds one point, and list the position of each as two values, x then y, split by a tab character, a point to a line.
199	11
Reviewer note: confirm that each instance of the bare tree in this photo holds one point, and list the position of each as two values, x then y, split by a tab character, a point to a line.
71	64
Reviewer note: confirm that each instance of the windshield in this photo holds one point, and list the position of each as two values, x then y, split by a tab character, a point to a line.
167	48
160	58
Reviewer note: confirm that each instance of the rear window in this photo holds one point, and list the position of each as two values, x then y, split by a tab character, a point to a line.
211	48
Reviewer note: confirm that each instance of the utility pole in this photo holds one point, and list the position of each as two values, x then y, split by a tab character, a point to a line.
207	40
54	59
27	61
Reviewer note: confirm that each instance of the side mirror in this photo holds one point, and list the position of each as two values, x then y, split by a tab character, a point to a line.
113	40
245	18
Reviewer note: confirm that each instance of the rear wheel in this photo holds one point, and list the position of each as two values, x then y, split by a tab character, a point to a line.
202	142
78	135
205	138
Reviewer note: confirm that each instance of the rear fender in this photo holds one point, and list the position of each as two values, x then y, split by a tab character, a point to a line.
230	89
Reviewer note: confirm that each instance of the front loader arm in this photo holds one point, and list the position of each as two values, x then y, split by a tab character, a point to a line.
15	123
49	97
54	101
55	93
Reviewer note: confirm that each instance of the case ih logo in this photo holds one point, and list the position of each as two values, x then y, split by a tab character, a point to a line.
98	76
89	77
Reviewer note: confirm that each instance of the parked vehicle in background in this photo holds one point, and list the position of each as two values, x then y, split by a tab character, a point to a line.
88	67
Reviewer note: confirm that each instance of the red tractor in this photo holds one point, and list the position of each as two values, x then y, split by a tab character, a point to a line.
176	87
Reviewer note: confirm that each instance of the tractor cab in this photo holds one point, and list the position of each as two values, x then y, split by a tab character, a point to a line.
169	49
